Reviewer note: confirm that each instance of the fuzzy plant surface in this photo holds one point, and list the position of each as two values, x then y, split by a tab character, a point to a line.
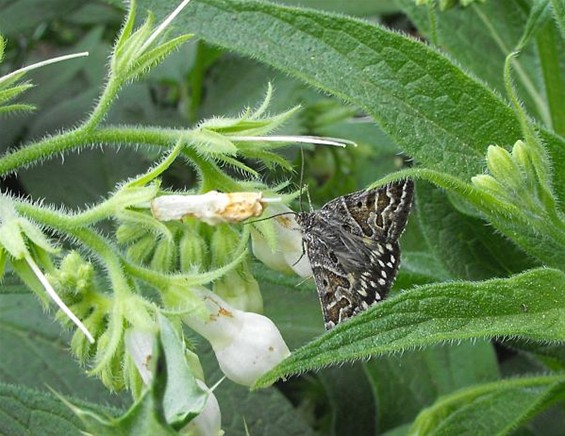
154	156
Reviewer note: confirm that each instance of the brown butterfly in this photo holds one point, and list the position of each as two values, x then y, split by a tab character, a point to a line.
352	245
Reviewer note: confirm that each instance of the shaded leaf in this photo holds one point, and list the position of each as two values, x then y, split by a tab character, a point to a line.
405	384
530	306
495	408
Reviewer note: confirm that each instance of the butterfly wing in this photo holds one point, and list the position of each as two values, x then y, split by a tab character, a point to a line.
352	244
380	214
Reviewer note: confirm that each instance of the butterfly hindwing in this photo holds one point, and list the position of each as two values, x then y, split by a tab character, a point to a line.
352	245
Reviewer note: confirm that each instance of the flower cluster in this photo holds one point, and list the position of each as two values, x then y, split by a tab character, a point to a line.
177	256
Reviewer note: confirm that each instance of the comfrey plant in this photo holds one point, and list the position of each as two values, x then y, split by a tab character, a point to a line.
165	292
186	246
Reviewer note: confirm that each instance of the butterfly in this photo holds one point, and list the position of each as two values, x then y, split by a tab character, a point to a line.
352	245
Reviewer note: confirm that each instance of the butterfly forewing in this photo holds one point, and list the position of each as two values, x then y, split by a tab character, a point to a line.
352	245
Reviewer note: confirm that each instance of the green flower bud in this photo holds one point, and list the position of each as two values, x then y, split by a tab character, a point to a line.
141	250
521	156
504	169
192	251
111	374
129	232
164	257
240	289
489	184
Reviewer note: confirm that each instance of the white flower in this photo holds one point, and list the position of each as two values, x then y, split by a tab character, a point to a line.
289	254
246	344
209	421
212	208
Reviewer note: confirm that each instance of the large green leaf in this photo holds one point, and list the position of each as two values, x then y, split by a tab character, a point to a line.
27	411
351	400
465	245
434	110
405	384
480	37
39	357
530	306
494	408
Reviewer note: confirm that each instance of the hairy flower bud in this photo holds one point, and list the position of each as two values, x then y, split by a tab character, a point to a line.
503	168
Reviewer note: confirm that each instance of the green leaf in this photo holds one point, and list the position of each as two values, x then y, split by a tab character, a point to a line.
419	268
559	14
465	245
351	7
480	37
39	355
28	411
405	384
529	306
21	17
184	399
347	388
436	112
494	408
550	48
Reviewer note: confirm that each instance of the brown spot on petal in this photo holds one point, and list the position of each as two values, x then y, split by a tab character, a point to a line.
225	312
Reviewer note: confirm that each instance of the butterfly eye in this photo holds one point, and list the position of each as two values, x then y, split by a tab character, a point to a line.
359	204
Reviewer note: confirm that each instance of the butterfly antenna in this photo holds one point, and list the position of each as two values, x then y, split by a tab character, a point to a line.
269	217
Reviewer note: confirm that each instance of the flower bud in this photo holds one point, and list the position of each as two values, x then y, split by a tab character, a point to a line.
489	184
141	250
246	344
521	156
503	168
240	289
192	251
164	257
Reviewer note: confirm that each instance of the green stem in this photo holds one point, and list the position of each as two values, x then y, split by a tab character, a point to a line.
109	95
547	42
155	172
432	19
537	154
41	150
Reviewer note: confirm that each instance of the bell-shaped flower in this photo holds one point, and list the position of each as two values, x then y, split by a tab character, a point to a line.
278	242
246	344
209	421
